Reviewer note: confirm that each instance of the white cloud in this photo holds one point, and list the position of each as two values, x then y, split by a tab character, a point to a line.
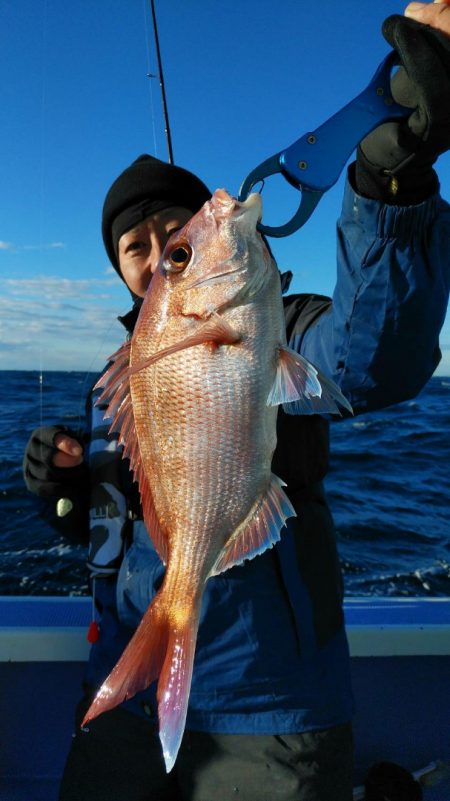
60	324
56	289
44	246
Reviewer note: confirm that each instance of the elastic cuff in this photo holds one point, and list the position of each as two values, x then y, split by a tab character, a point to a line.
399	222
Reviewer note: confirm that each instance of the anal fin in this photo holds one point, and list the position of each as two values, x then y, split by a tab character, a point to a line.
260	530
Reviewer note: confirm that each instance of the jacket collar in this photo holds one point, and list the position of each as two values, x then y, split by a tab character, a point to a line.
129	319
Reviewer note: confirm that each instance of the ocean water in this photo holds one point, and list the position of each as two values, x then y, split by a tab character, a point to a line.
388	487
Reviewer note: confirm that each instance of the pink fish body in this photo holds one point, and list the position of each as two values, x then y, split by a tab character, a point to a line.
195	398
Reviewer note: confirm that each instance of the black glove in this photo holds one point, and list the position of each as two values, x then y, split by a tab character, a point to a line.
395	162
40	474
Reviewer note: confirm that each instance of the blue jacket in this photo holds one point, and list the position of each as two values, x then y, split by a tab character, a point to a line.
272	654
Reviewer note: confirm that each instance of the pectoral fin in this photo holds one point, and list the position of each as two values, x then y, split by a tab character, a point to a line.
216	330
302	389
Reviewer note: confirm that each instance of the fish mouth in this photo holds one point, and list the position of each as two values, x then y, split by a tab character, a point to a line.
225	207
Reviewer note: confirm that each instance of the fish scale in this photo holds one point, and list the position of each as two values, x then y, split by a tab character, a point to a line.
215	432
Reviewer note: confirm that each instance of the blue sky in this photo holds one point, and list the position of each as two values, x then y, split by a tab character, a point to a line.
243	79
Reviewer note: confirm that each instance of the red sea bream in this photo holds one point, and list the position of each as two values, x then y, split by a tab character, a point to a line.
194	396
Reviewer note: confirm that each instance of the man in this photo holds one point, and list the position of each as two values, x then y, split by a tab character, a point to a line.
271	703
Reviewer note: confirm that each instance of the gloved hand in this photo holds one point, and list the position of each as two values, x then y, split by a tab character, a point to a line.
53	461
395	161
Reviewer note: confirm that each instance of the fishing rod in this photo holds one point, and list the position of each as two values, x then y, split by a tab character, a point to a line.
161	83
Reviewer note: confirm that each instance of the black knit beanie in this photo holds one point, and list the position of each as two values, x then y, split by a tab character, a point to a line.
148	185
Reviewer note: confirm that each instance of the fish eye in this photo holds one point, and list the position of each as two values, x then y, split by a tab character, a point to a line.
178	258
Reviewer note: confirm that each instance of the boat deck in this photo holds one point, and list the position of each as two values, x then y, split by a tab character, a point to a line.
401	672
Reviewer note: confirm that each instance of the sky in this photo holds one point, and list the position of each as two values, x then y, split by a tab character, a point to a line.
244	79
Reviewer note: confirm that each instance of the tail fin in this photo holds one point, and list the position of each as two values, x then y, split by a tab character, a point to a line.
163	647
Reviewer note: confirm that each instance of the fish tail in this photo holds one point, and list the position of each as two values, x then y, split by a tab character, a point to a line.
139	665
164	646
174	685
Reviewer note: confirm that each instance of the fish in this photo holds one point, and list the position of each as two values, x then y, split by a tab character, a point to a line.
194	397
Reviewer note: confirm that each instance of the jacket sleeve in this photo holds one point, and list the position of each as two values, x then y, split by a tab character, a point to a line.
379	338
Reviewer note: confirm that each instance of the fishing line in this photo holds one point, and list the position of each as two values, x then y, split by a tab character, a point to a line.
88	379
42	194
88	374
106	336
80	413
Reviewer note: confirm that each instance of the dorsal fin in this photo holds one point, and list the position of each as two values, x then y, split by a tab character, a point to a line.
116	393
260	530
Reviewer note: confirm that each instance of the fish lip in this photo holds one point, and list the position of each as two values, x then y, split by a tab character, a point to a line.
253	199
241	212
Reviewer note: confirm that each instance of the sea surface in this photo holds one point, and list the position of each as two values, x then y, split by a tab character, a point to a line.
388	487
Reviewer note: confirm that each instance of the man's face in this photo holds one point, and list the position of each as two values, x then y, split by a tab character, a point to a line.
140	249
